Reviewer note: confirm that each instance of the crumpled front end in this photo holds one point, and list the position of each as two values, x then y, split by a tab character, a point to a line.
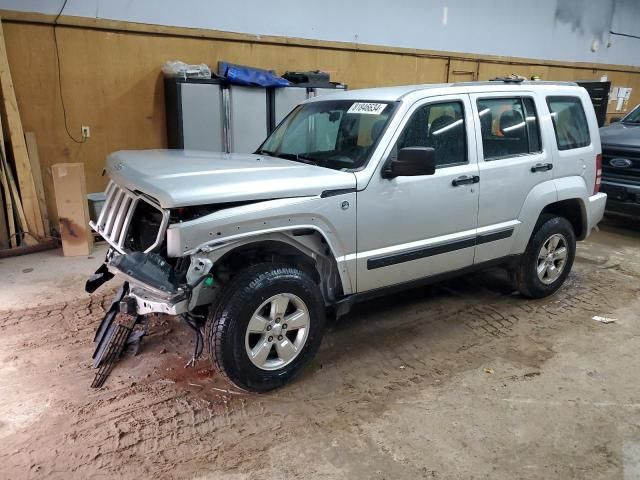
135	227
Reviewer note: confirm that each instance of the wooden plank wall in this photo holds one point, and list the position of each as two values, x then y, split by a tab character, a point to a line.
112	80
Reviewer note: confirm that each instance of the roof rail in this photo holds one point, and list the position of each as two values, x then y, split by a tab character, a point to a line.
513	82
509	79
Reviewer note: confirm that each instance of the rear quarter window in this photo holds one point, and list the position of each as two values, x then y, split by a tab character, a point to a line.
569	122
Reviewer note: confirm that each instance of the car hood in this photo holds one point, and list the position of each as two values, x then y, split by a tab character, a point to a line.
180	178
621	135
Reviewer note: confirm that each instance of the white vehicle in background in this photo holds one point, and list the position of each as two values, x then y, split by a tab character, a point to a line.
356	194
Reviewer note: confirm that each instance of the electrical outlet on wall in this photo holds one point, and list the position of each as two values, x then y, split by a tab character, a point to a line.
86	131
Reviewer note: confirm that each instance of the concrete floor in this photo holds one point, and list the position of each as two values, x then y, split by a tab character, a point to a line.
460	380
46	278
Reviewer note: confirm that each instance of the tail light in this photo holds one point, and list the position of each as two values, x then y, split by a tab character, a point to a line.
596	185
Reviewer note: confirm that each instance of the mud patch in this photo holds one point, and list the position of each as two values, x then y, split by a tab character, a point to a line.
393	385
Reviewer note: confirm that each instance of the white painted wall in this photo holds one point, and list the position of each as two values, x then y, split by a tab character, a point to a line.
545	29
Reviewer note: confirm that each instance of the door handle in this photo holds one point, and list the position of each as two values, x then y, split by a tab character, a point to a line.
542	167
465	180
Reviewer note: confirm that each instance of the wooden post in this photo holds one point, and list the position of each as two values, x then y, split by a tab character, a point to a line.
16	135
36	171
73	210
14	204
8	192
8	205
4	234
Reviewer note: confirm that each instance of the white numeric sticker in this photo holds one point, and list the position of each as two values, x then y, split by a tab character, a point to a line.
367	108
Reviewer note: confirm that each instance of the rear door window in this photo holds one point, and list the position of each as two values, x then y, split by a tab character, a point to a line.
569	122
509	127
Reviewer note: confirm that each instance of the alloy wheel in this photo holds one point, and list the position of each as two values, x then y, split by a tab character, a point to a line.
277	331
552	258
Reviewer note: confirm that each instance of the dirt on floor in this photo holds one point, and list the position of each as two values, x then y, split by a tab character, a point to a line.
464	379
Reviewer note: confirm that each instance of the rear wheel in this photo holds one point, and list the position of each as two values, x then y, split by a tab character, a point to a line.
548	258
268	324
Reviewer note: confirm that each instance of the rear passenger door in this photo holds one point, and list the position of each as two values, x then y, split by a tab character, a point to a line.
512	159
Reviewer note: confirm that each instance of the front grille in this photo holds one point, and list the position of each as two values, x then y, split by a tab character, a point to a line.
124	221
620	164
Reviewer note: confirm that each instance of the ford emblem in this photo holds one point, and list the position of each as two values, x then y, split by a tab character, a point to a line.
620	162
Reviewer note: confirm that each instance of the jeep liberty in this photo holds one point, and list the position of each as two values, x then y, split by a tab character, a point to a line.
354	195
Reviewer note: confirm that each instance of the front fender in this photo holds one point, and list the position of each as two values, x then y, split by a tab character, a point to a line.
334	217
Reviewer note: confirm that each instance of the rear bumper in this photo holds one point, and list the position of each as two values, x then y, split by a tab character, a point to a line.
595	210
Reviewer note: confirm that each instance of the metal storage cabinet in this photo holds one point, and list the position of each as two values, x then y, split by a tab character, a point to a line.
285	99
194	114
317	92
209	114
599	94
248	118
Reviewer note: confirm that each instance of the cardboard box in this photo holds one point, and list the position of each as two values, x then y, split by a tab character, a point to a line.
73	210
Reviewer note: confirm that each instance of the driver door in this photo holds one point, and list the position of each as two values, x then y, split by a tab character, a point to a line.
414	227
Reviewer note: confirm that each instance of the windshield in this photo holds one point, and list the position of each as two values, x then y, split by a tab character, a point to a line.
633	117
337	134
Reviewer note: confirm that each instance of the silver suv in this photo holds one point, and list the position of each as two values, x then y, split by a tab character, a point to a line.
355	194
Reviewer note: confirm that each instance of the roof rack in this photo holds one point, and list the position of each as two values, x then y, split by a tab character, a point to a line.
512	82
509	79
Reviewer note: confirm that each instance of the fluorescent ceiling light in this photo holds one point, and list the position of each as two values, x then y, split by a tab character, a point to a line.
447	127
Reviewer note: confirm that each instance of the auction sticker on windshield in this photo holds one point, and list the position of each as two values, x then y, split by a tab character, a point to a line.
367	108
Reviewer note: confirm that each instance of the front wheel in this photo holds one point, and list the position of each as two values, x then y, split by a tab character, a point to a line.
548	258
268	324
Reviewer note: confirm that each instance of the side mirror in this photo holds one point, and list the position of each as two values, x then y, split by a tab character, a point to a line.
614	120
412	162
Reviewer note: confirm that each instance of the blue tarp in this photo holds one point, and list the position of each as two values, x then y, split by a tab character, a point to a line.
256	77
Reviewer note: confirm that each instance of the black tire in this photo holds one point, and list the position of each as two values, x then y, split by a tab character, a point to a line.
228	322
526	275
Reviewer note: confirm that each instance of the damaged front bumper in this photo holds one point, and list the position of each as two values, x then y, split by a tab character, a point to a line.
150	286
147	302
152	281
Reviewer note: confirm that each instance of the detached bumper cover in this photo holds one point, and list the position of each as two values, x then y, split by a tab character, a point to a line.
127	309
111	337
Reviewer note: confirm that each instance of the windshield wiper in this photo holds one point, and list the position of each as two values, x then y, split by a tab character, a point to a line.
266	152
289	156
297	157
